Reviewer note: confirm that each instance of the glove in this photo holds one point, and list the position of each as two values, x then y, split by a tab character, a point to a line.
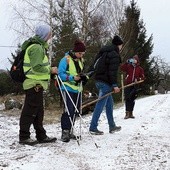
131	61
83	78
52	76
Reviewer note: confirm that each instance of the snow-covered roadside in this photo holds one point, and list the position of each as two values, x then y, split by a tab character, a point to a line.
142	144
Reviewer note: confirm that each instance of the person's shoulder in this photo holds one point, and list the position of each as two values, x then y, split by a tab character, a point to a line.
36	48
106	48
64	59
141	67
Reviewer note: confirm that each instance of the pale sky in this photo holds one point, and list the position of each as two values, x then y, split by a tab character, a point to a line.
155	14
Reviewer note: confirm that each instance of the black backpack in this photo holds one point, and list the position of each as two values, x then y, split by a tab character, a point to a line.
16	72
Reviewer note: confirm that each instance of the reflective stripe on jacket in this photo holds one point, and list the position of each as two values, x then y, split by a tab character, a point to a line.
30	73
72	71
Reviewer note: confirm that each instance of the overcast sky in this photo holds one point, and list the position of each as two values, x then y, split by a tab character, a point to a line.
155	14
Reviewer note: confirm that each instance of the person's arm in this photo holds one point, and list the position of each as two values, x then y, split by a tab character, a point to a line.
112	62
91	69
36	55
62	70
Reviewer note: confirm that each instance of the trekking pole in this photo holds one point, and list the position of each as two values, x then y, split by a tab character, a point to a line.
80	113
89	132
58	78
94	101
79	96
74	117
72	125
122	83
68	94
80	109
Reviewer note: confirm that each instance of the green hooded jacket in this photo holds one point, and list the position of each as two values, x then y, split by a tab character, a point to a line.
36	55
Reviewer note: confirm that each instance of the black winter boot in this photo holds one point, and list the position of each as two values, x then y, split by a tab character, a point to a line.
65	137
28	141
47	140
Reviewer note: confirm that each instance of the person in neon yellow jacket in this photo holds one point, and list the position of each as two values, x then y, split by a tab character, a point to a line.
70	71
37	70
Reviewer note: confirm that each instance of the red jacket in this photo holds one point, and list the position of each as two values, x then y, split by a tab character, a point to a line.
133	71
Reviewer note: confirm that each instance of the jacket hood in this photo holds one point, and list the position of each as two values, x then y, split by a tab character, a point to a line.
109	49
35	40
136	58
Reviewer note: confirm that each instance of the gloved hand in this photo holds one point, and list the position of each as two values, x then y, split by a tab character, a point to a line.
131	61
52	76
84	78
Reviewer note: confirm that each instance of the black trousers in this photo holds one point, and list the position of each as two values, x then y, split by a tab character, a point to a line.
71	113
130	96
32	113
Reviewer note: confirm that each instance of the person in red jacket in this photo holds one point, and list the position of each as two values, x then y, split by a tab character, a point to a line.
134	72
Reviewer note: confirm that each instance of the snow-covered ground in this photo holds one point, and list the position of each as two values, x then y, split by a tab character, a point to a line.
142	144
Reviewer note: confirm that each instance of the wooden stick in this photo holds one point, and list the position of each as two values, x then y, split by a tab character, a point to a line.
94	101
122	83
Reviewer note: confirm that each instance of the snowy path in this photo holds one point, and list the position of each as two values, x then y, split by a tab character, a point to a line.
142	144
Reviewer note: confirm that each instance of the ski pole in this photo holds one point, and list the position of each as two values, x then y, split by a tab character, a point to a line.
89	132
80	109
79	96
72	126
68	93
94	101
74	117
58	78
80	112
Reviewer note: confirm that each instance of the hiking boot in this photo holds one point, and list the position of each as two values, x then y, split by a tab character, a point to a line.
127	116
131	115
47	140
28	141
96	132
65	137
115	129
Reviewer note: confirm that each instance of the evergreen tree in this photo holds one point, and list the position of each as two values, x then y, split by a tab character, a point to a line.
133	31
64	35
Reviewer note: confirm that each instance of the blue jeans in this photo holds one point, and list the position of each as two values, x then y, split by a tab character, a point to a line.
105	102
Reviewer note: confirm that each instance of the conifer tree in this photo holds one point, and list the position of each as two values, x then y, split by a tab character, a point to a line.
64	35
133	31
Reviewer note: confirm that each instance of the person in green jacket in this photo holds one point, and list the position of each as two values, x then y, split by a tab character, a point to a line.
37	70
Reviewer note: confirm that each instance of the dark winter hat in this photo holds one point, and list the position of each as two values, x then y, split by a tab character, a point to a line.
79	46
42	31
117	40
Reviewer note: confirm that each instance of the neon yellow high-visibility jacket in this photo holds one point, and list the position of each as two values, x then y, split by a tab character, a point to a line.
36	64
67	71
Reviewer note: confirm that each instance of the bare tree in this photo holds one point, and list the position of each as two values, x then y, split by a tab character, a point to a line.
114	13
28	13
161	71
84	10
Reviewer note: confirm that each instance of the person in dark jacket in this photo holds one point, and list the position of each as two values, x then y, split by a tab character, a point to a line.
108	61
134	72
37	70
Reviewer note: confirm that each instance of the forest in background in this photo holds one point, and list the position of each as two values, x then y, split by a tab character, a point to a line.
95	23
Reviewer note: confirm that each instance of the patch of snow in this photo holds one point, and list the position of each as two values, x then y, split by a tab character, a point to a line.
142	144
